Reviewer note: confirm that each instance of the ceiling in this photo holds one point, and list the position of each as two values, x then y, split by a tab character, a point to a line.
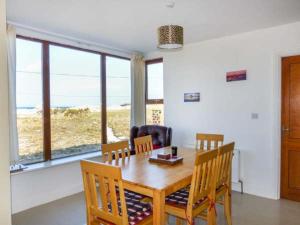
132	24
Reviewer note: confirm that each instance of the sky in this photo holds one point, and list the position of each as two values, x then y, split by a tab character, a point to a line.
75	78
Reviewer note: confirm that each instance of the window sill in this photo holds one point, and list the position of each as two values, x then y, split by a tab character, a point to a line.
57	162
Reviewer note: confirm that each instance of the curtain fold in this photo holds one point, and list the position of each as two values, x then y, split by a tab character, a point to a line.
13	131
138	113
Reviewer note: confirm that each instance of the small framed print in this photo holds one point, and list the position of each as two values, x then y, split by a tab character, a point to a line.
236	75
192	97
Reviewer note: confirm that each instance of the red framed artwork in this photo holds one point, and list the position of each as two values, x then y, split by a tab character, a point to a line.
236	75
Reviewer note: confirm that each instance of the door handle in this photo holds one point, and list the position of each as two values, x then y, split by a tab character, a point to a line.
285	129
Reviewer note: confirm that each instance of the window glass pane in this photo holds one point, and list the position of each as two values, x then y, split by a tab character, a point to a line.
118	98
155	114
75	101
155	81
154	109
29	100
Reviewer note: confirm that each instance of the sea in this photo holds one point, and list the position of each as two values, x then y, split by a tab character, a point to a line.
29	110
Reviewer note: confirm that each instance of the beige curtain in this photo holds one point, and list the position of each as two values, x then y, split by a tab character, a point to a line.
137	90
11	60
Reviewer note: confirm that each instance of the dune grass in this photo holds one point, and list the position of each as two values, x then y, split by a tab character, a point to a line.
73	131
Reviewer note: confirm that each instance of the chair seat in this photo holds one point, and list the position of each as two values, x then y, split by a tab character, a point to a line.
180	198
138	208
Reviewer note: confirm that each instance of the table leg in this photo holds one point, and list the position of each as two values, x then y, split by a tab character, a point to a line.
159	207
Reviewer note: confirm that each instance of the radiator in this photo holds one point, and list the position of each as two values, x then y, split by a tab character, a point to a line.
236	169
236	166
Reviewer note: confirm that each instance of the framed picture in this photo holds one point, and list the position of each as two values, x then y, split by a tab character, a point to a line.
236	75
191	97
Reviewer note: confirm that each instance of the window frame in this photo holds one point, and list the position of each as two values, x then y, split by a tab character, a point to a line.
46	118
147	100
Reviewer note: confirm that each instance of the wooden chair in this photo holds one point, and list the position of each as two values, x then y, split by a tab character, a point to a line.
209	141
189	202
223	191
105	196
115	151
223	180
143	144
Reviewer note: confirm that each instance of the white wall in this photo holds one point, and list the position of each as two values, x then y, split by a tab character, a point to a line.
43	185
226	107
5	206
38	187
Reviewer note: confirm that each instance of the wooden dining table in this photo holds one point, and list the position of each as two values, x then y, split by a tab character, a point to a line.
157	180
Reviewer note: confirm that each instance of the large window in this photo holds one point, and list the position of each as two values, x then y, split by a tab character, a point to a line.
154	92
118	98
69	100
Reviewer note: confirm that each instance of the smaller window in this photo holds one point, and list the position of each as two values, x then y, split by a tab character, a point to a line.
154	92
29	101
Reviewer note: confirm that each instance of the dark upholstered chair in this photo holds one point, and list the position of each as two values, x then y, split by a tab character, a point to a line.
161	136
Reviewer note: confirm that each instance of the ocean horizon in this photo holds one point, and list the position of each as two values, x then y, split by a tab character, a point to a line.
35	109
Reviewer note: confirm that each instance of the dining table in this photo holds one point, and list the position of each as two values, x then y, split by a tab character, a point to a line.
157	180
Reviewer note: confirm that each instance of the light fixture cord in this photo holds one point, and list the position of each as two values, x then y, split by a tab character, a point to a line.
170	4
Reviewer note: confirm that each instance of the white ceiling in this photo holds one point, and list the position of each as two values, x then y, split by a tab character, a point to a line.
132	24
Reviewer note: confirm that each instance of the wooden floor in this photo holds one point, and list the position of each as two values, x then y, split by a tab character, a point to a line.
247	210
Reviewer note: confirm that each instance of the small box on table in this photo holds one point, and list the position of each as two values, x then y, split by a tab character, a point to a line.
170	161
165	156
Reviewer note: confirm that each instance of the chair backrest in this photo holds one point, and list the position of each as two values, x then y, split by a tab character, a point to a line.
161	135
143	144
204	177
102	203
225	154
209	141
115	150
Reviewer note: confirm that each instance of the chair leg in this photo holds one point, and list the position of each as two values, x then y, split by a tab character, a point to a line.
211	217
178	221
89	219
227	208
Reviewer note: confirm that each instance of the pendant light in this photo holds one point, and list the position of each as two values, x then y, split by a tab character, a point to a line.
170	36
